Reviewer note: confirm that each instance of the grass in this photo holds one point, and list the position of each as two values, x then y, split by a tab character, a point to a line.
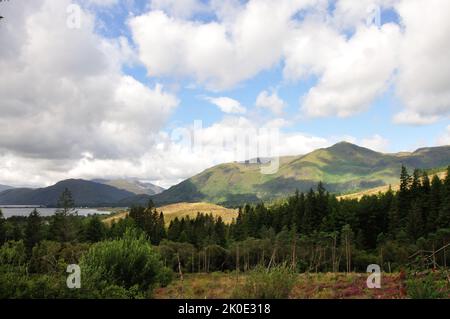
184	209
306	286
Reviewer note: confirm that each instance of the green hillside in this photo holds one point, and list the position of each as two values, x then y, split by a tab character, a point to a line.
343	168
132	185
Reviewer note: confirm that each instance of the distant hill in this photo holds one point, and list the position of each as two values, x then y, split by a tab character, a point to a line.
383	189
4	187
85	193
132	185
344	168
181	210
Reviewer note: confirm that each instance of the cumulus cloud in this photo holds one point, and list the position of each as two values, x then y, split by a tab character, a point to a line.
270	101
352	73
354	63
179	9
414	118
424	69
102	3
68	109
227	105
177	154
64	94
218	54
444	139
376	143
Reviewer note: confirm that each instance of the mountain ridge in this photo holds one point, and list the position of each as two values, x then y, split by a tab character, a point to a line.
85	193
4	187
343	168
133	185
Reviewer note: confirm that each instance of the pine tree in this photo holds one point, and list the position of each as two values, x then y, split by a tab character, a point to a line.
33	230
444	213
220	232
239	231
415	184
63	226
434	204
66	203
95	230
2	229
161	227
174	231
415	222
403	198
424	198
310	209
321	207
426	185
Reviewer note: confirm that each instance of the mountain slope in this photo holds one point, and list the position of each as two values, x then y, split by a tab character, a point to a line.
4	187
384	189
85	193
343	168
132	185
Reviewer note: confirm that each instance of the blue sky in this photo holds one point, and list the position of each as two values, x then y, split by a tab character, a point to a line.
376	120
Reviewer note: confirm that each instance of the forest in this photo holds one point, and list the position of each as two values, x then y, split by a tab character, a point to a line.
313	232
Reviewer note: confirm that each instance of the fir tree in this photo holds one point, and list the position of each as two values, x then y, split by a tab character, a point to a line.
33	230
63	226
444	213
95	230
2	228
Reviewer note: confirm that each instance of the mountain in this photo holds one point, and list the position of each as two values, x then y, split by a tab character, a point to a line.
4	187
85	193
343	168
132	185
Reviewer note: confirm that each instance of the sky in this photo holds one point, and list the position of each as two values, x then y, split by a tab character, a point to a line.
162	89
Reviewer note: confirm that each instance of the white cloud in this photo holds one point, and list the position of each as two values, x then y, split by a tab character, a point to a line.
102	3
179	9
171	160
376	143
414	118
68	109
424	70
64	94
218	54
352	68
349	14
352	73
270	101
444	139
227	105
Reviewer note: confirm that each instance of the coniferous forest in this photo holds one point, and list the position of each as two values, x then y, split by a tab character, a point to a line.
313	232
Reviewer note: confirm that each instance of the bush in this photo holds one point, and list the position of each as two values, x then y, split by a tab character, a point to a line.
52	257
129	263
261	283
427	287
13	253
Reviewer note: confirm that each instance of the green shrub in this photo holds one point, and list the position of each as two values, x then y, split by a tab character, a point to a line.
427	287
129	263
50	257
13	253
262	283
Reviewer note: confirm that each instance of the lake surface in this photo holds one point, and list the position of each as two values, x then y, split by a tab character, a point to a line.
25	211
